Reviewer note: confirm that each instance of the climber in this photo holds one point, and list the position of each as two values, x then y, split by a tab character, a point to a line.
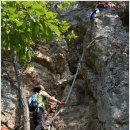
99	7
38	113
2	128
105	5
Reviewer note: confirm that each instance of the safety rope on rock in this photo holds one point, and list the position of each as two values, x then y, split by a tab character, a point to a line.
61	109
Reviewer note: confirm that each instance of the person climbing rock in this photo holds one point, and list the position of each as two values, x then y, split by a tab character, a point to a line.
2	128
100	6
105	5
38	113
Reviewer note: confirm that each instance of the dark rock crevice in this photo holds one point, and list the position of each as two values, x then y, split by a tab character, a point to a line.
124	16
75	48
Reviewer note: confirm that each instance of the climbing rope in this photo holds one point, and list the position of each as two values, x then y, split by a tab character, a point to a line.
61	109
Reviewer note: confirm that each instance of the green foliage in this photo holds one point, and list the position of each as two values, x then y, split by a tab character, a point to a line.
71	36
24	22
65	5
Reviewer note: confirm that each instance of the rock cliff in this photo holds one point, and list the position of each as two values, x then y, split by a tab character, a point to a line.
100	95
99	99
10	110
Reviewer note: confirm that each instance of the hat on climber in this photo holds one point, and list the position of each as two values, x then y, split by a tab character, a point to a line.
42	87
38	87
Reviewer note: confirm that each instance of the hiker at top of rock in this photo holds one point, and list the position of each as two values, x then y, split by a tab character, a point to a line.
42	97
99	7
104	5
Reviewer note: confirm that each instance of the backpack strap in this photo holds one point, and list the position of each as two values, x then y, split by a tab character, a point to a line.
41	100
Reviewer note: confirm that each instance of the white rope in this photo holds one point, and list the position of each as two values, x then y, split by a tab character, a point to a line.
76	73
72	84
61	109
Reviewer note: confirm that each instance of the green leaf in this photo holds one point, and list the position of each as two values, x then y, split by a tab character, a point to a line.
49	34
35	31
33	18
18	23
65	5
55	29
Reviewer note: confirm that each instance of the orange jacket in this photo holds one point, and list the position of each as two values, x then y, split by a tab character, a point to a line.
106	4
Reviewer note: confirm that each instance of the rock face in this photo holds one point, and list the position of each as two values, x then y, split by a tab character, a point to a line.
9	104
102	85
105	70
99	99
48	67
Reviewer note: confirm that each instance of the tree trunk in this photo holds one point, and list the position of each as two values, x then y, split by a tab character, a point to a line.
26	121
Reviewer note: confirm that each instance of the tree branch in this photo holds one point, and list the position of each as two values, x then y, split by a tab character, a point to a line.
26	121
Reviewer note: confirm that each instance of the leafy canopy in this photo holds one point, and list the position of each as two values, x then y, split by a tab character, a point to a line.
65	5
22	23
